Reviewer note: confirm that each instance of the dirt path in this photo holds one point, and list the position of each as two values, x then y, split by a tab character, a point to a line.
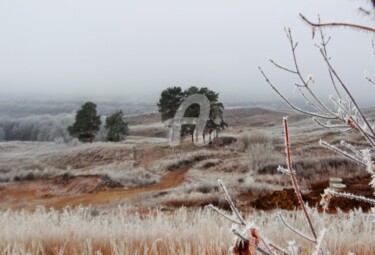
170	180
31	194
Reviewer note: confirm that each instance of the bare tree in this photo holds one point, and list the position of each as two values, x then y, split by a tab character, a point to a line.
345	115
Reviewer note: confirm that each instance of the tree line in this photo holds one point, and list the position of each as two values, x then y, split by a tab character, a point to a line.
87	123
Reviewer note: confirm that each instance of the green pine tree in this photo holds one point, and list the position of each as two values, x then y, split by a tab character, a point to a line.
116	127
87	123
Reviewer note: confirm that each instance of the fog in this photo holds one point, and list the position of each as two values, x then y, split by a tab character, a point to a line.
134	49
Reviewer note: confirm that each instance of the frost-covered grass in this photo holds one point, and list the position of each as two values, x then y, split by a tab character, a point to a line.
125	173
172	162
45	160
191	232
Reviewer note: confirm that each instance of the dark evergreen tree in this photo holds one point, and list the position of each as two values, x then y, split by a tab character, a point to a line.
116	127
170	100
87	123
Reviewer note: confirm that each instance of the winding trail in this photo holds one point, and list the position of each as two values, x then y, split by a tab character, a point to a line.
118	195
81	190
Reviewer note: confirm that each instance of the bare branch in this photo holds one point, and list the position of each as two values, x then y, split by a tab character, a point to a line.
267	246
319	243
307	99
337	24
348	93
341	152
334	193
294	180
296	231
352	148
231	204
235	232
364	11
244	239
324	48
342	128
217	210
369	79
281	67
353	123
305	83
291	104
282	251
283	170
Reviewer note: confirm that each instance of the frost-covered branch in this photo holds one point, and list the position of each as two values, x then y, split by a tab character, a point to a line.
243	243
342	128
314	114
352	100
283	170
305	82
294	179
319	249
217	210
323	46
231	204
341	152
330	193
295	230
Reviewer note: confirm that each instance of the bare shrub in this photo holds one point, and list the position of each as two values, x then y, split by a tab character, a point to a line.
263	155
246	141
231	165
251	184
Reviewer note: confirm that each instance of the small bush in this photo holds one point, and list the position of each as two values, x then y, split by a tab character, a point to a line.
246	141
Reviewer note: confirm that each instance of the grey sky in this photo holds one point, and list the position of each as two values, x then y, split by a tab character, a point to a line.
91	47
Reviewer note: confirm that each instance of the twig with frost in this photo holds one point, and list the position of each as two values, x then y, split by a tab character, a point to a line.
295	230
283	170
319	244
294	179
349	115
352	148
322	110
314	114
305	82
244	242
369	79
330	193
341	152
323	46
231	204
340	127
222	213
352	100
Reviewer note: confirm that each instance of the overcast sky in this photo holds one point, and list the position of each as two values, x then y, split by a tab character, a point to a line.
125	47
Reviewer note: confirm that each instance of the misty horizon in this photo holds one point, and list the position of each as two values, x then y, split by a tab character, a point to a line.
136	49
